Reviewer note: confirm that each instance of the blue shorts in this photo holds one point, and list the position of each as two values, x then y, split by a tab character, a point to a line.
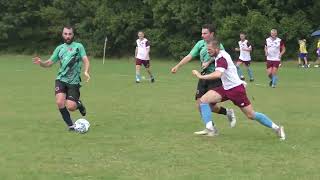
303	55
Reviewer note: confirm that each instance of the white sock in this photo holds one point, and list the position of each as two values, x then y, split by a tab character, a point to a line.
209	125
274	126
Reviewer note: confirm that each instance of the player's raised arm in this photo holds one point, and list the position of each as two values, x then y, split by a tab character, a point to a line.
86	64
183	61
45	64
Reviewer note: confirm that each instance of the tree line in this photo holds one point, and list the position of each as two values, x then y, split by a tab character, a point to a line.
173	27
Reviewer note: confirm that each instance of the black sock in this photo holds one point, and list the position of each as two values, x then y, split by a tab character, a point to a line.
66	116
222	111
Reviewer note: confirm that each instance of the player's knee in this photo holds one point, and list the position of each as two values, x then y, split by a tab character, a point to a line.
203	99
60	104
71	106
250	115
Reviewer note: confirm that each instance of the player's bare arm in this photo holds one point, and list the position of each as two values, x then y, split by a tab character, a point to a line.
135	53
282	51
206	64
248	49
214	75
44	64
86	64
266	51
183	61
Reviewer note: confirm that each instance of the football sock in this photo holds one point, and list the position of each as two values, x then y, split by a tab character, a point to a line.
66	116
274	79
240	74
265	120
138	77
223	111
250	73
206	115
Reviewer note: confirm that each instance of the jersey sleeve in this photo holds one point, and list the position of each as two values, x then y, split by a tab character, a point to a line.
148	44
55	55
221	64
82	51
249	44
195	50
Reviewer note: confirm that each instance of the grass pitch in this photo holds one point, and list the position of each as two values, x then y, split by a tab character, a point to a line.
145	131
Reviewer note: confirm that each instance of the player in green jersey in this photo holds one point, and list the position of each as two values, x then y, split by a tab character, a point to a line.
200	50
67	85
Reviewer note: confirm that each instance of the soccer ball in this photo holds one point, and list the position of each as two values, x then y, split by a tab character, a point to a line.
81	126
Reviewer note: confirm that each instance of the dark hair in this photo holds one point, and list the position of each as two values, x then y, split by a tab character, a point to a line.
210	27
214	42
68	27
241	32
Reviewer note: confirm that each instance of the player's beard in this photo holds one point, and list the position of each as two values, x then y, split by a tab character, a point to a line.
68	40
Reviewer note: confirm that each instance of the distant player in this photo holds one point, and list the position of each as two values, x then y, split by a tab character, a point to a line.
274	49
142	56
303	53
245	49
316	64
233	89
200	50
71	56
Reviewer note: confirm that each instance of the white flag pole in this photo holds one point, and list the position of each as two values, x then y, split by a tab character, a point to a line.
104	49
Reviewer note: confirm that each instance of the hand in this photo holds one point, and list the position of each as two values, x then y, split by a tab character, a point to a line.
266	54
196	73
36	60
87	75
205	64
237	49
174	69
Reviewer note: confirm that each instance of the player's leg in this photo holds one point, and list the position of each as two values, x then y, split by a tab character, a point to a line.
60	95
138	68
274	71
202	87
73	99
264	120
148	68
306	61
299	61
249	70
316	63
240	74
269	73
211	97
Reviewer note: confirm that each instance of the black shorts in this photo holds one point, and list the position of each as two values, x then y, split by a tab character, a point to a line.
72	91
205	85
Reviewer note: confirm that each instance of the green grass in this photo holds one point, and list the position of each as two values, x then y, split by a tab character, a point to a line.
145	131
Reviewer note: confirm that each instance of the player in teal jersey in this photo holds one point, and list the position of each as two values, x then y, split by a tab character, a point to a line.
200	50
67	85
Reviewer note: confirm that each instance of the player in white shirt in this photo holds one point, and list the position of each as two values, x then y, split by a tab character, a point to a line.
274	49
232	89
142	56
245	49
